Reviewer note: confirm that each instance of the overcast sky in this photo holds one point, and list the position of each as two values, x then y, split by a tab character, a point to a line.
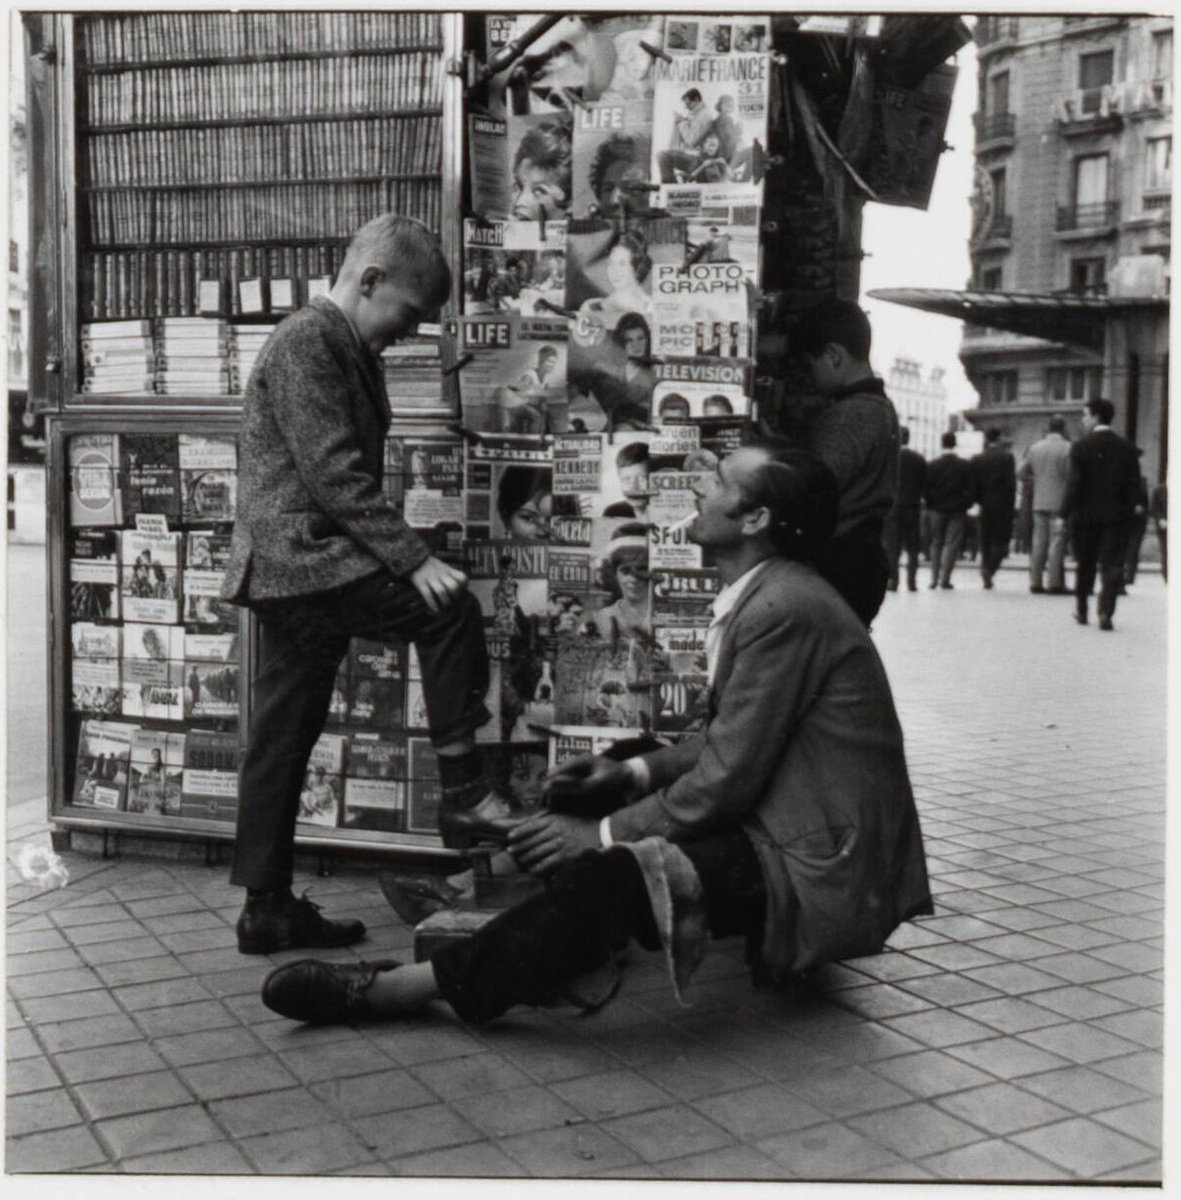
909	248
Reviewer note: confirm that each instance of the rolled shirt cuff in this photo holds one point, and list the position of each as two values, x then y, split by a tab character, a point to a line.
606	841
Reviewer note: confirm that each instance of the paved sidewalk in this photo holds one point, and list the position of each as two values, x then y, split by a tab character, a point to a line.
1015	1035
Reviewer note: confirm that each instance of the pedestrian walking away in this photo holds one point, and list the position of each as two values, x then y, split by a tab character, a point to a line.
950	492
1100	501
996	492
1046	470
904	521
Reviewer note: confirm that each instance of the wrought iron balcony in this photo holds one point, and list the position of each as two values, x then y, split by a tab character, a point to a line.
1001	226
1087	216
990	126
1155	200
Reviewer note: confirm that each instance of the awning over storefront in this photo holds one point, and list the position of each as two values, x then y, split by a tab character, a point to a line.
1058	317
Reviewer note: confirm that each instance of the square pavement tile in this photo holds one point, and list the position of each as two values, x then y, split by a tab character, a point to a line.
915	1130
1084	1147
477	1160
1080	1042
108	1062
832	1151
878	1000
848	1090
1144	1069
269	1112
334	1060
671	1132
237	1077
471	1075
53	983
517	1110
727	1162
1014	979
993	1161
213	1158
1081	1003
1010	1014
368	1095
131	1094
34	1074
576	1150
1141	1121
1084	1089
50	1009
704	1074
58	1150
760	1112
212	1045
427	1042
315	1151
1079	968
938	1028
1137	990
141	970
1142	1026
611	1094
194	1017
949	990
1007	1057
929	1073
40	1111
165	993
88	1032
1001	1108
167	1129
20	1043
414	1130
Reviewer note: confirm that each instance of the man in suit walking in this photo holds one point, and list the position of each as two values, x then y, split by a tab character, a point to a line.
996	492
790	820
1100	499
904	519
321	556
951	491
1045	472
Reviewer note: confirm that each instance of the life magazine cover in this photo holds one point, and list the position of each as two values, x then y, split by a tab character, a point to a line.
612	154
516	380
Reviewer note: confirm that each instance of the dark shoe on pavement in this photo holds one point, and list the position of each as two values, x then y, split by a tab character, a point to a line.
1080	617
321	993
948	586
1036	589
987	583
892	586
911	586
1106	625
278	921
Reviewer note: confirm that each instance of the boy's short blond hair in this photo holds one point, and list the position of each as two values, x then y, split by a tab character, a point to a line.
404	247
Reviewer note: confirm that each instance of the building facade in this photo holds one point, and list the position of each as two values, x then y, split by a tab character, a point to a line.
920	401
1073	197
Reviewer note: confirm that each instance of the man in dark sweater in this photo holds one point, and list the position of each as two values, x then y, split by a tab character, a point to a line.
903	520
996	493
856	436
951	491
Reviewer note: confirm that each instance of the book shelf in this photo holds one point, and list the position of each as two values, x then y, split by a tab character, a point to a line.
207	170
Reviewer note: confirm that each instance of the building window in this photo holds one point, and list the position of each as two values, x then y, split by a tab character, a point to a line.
998	192
998	94
1090	189
1162	54
991	279
1158	158
14	255
1088	276
1073	384
1095	72
999	387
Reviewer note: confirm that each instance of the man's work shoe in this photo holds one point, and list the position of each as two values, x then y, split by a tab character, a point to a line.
321	993
947	585
1036	589
278	921
1106	625
1080	616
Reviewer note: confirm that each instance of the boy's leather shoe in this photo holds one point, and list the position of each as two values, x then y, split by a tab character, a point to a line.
278	921
320	992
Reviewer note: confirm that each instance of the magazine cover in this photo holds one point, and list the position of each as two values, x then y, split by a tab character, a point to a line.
209	783
516	380
100	770
424	478
95	686
579	60
320	796
487	139
539	153
150	474
424	792
208	476
513	266
510	580
155	642
708	112
703	307
157	769
731	34
210	689
153	687
680	682
206	555
94	575
375	784
603	681
376	685
612	153
672	510
628	463
508	488
90	640
95	497
150	573
573	741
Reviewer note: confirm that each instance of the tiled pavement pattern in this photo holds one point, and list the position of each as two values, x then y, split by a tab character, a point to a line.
1015	1035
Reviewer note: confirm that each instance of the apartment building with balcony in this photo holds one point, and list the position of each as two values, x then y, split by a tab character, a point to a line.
920	398
1071	210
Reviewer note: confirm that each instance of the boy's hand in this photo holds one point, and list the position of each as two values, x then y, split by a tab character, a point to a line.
437	583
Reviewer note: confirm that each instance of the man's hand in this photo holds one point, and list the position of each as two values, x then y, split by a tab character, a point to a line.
545	841
437	583
587	780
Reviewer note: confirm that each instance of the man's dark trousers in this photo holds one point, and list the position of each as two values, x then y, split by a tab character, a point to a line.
996	531
303	641
1099	548
902	532
855	564
593	905
947	540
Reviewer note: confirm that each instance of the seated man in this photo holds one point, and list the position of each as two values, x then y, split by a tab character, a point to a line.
789	820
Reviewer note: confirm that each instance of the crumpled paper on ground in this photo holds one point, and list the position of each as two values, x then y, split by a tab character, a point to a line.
39	865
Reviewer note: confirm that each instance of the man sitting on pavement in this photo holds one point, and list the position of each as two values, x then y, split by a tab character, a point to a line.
789	819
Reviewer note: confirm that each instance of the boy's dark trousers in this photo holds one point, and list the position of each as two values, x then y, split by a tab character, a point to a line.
303	640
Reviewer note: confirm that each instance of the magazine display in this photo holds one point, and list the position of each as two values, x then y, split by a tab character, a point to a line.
516	379
424	479
514	266
157	768
209	782
100	773
320	796
94	574
612	153
150	576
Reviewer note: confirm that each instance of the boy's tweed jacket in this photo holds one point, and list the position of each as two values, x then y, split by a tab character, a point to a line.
311	514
